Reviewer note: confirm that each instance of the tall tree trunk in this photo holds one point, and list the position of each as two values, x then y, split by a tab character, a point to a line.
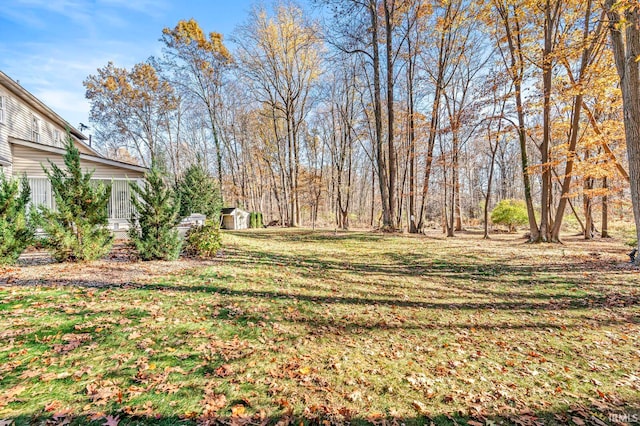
516	68
626	50
605	210
588	210
413	228
439	84
547	68
373	197
455	166
380	155
393	171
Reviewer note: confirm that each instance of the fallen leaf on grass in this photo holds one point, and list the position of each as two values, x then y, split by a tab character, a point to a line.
212	403
420	407
103	392
10	395
73	342
224	370
52	406
168	388
304	370
61	419
68	347
111	421
238	410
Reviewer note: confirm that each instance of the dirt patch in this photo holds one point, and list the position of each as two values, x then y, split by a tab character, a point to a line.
37	267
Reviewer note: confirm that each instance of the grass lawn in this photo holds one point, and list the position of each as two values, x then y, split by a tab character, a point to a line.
313	327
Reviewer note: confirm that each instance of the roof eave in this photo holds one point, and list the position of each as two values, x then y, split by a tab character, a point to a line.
95	158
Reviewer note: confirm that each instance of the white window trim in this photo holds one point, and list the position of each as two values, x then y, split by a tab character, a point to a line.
3	108
35	129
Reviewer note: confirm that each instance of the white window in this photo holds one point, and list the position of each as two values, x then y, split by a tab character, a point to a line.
41	192
57	140
3	108
35	129
119	206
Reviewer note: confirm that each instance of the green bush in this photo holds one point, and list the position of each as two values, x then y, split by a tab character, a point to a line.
204	240
510	213
76	230
199	193
16	227
255	220
153	232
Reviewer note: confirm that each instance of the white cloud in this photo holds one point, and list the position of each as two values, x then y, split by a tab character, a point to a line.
29	12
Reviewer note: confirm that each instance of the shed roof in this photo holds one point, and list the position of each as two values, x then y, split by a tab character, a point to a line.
232	210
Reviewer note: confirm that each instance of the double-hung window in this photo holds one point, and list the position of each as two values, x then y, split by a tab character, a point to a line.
3	108
35	129
41	193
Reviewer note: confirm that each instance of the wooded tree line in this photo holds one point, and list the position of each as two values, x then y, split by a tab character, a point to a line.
392	113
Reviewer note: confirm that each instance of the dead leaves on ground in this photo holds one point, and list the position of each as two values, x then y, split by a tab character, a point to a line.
321	340
11	395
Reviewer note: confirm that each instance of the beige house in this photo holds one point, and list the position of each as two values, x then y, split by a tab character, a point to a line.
31	135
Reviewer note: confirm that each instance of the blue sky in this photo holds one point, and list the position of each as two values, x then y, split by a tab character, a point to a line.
51	46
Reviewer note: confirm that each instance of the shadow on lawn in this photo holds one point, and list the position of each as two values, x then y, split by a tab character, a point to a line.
545	292
308	236
598	413
519	282
412	265
623	300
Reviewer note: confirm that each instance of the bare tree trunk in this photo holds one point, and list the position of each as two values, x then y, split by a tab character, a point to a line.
373	196
388	21
516	68
547	76
413	228
456	187
381	163
605	210
588	211
439	84
487	198
625	41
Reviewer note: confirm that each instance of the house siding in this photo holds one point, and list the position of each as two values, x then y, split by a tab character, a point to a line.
19	112
5	151
18	123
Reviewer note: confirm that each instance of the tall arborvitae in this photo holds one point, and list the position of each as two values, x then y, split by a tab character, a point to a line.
199	193
153	231
76	229
16	227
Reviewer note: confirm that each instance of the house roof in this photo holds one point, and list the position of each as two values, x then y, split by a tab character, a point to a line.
15	88
88	157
